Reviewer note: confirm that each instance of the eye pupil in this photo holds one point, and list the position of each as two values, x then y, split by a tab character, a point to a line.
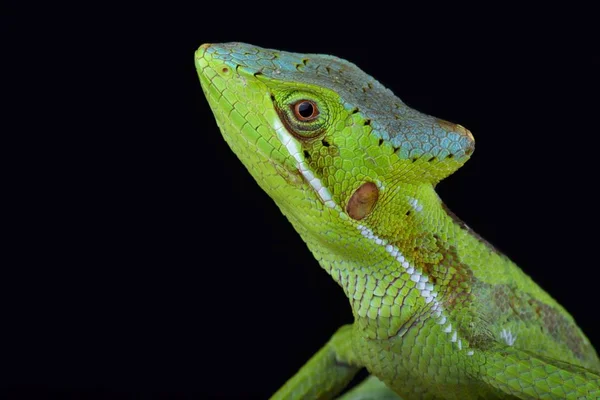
306	110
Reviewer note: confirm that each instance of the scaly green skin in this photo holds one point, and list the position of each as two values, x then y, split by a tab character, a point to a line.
439	313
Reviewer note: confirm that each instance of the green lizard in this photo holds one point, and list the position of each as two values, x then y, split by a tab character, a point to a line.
438	312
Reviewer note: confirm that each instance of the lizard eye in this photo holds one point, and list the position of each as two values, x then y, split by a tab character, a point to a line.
304	114
305	110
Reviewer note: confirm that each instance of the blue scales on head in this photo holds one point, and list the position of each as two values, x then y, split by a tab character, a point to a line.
415	135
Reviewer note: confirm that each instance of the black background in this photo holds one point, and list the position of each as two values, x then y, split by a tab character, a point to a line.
145	261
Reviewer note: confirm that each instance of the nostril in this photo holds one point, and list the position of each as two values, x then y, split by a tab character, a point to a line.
224	71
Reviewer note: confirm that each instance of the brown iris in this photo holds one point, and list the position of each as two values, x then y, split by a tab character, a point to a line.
305	110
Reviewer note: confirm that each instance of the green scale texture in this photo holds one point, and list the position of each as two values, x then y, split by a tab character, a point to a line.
439	313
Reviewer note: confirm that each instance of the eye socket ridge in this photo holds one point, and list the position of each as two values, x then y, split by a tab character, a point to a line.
305	110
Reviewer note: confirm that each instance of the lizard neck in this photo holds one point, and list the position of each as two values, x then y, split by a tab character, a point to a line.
411	226
411	252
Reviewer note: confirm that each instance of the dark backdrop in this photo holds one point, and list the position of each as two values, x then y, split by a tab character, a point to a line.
148	262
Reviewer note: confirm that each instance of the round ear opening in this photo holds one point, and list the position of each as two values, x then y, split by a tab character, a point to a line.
362	201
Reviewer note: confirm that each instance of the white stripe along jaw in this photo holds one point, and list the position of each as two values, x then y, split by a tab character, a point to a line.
294	148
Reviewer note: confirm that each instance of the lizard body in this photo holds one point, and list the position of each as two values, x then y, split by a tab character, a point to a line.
439	313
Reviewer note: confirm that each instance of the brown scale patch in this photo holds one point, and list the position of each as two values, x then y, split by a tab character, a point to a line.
559	327
456	282
441	263
509	302
500	297
422	250
451	273
459	289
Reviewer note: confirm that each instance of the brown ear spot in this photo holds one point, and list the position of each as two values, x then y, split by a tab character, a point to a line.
362	201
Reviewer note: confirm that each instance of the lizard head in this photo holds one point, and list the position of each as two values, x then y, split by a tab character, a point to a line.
318	133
